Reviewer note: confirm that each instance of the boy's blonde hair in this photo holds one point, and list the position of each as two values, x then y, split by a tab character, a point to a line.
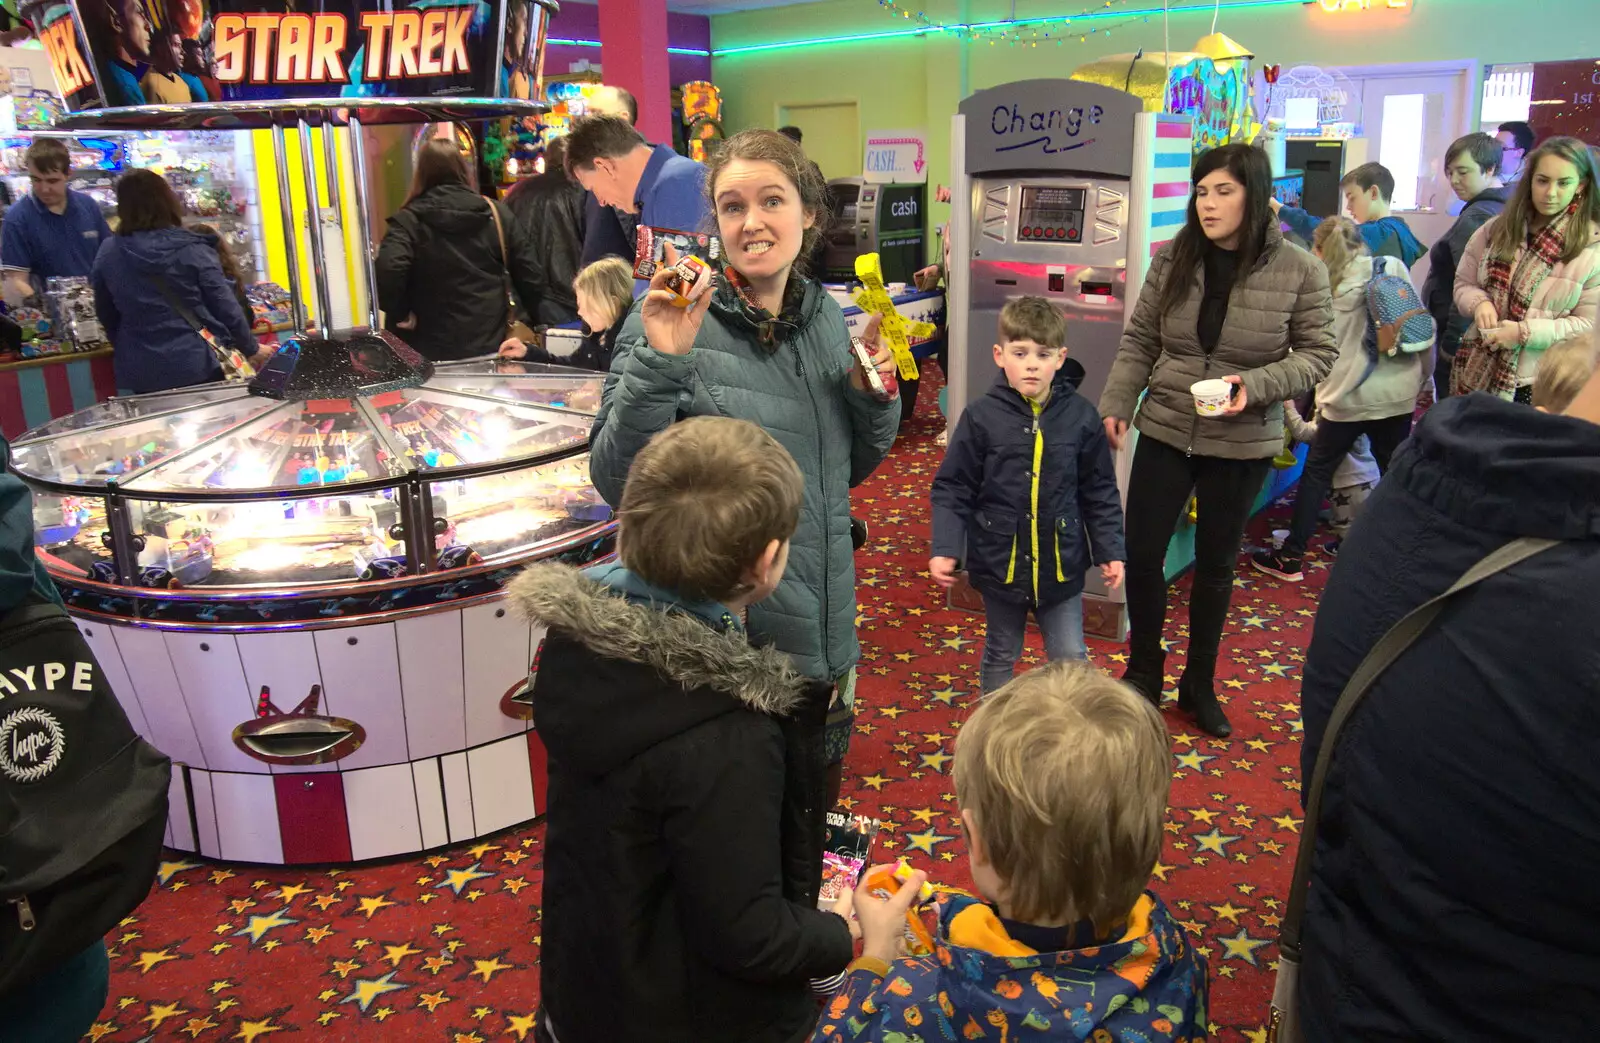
1066	772
1035	319
608	280
703	501
1564	370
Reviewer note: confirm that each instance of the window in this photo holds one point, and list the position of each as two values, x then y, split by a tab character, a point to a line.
1404	132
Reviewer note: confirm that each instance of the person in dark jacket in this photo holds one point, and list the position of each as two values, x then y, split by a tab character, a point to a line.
677	906
1228	299
549	208
146	278
1473	165
442	272
605	295
1453	876
1027	495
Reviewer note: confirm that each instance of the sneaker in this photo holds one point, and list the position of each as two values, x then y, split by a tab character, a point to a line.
858	533
1273	563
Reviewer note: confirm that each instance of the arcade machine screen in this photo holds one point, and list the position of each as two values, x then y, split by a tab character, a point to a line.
1051	215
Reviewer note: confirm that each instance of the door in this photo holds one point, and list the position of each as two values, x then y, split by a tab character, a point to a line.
1410	120
832	135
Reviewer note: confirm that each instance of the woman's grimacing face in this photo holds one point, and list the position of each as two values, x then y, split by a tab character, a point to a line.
761	218
1219	200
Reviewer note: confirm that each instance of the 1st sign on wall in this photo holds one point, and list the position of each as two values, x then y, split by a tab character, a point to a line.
896	157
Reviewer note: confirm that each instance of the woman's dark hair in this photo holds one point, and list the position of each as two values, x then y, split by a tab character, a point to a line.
1247	165
768	146
439	162
145	202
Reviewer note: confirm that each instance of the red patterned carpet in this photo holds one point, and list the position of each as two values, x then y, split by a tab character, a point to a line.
447	947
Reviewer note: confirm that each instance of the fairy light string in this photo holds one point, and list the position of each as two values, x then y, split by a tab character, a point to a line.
1025	32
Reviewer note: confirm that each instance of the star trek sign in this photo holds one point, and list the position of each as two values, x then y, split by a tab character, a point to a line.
115	53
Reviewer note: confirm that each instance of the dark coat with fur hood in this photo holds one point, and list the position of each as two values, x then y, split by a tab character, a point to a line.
677	905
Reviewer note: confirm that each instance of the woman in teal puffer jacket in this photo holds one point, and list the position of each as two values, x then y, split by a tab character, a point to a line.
770	346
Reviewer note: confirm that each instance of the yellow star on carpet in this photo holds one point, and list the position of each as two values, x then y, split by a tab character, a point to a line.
167	870
1241	947
289	892
1160	871
433	1000
925	841
160	1012
1203	815
1288	822
514	857
323	901
948	696
1192	760
489	968
327	1016
936	761
99	1029
924	816
249	1030
477	851
1256	1035
520	1025
515	886
148	961
327	994
199	1025
395	953
479	1013
316	934
456	879
1214	841
220	875
343	967
218	986
382	1013
369	989
221	947
361	943
876	781
1236	684
435	964
1228	911
260	925
373	904
226	1004
466	1037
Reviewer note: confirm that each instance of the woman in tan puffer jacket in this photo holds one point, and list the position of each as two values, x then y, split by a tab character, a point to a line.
1228	298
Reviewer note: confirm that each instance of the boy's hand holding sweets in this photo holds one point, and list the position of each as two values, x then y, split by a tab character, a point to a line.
883	921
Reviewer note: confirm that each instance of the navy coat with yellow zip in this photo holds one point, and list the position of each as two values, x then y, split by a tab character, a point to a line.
1027	495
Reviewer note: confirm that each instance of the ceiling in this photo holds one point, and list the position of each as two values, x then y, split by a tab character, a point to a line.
714	7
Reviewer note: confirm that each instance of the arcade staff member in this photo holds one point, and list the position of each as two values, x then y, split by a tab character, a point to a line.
51	232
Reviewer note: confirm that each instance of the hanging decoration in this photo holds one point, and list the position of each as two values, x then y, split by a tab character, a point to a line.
1024	32
701	105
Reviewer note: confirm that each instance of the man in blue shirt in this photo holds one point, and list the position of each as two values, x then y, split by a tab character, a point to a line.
607	233
663	189
52	232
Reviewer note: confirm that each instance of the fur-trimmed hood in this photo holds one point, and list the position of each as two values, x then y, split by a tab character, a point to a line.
698	671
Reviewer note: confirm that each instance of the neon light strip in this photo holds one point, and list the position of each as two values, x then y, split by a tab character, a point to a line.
722	52
596	43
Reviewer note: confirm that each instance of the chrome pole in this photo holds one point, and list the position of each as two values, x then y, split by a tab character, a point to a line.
358	171
319	262
280	156
330	162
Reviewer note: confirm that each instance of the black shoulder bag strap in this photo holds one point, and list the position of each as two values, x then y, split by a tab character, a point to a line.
1389	648
185	313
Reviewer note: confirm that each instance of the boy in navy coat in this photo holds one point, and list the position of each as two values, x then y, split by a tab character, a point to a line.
1027	495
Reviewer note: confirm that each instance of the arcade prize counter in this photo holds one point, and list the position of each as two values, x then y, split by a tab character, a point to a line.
295	584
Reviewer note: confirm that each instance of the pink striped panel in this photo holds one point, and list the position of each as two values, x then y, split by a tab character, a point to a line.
1170	190
1172	130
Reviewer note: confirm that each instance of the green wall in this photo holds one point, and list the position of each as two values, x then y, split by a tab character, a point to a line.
914	82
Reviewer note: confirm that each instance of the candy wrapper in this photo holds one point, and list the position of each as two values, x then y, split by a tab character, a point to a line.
844	854
884	883
688	281
650	249
880	389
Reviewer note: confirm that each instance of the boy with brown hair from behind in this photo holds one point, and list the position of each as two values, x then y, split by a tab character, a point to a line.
1062	776
679	896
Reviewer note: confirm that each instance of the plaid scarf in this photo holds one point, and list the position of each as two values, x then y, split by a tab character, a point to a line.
1510	286
771	328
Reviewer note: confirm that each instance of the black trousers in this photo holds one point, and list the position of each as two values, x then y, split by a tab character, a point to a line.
1158	490
1331	445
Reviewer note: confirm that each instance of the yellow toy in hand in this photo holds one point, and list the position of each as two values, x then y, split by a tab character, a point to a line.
897	330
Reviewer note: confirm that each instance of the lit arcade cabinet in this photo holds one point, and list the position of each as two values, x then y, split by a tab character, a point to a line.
1069	189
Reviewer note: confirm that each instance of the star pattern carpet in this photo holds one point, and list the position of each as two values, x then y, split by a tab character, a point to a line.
446	947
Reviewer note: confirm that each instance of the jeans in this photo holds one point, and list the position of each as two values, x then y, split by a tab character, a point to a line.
1158	491
1005	629
60	1006
1332	444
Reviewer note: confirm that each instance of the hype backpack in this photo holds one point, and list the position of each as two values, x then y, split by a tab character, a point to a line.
83	799
1397	322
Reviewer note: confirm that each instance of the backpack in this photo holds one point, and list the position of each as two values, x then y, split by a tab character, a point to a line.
83	799
1397	321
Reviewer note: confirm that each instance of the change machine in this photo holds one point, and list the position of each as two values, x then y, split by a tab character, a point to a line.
870	218
1068	190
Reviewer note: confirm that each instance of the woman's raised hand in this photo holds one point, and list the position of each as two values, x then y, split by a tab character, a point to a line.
668	328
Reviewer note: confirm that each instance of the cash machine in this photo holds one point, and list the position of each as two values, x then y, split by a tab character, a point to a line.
1063	189
871	218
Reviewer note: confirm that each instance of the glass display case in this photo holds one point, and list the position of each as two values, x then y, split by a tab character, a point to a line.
220	489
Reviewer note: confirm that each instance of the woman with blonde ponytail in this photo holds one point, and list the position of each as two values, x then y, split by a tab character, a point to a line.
1356	399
